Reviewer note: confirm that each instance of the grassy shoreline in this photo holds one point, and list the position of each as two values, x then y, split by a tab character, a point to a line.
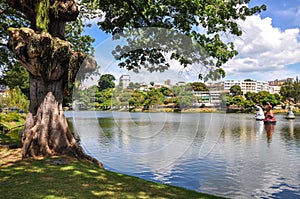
65	177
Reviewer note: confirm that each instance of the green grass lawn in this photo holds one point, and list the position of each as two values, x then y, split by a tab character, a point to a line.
65	177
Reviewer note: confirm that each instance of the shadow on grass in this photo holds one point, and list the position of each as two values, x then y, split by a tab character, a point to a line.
64	177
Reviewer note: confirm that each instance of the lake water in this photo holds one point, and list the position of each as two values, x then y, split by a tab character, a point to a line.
229	155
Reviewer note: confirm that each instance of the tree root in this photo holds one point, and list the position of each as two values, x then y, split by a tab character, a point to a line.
80	154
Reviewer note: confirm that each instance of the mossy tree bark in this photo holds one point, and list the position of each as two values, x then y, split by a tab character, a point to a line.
52	65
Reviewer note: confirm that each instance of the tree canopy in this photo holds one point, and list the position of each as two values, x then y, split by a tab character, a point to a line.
106	81
8	18
236	90
188	31
291	90
13	74
15	99
198	86
202	21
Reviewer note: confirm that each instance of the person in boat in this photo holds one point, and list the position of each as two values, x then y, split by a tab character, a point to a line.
260	113
270	117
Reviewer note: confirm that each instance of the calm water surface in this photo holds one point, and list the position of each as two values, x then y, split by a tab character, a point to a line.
229	155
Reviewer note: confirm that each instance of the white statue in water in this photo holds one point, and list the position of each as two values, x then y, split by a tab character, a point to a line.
259	113
290	115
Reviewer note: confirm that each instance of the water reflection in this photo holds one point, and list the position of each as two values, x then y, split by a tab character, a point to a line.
291	128
259	126
290	134
246	159
270	130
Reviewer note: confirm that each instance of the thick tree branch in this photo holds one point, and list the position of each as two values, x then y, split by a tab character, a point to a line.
66	10
27	7
60	11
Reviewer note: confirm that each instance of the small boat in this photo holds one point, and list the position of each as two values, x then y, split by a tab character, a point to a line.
259	114
290	115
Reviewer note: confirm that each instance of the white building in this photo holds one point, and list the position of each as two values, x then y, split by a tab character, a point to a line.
124	81
229	83
274	89
181	83
209	98
262	86
247	86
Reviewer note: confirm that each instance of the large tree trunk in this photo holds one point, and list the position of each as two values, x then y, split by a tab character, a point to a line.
52	65
46	130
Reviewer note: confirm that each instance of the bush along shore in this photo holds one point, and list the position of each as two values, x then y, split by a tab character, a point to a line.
11	125
65	177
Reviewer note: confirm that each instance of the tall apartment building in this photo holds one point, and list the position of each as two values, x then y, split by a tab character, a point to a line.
124	81
247	86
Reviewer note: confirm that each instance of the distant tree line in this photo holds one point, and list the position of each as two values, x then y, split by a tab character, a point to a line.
107	96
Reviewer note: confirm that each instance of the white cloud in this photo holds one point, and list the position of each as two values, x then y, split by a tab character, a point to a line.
263	47
264	54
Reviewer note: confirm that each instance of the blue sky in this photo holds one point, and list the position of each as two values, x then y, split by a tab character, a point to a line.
285	13
269	48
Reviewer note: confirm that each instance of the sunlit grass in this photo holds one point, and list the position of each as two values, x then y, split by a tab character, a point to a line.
64	178
44	178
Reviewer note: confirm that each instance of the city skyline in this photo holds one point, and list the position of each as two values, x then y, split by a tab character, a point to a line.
223	80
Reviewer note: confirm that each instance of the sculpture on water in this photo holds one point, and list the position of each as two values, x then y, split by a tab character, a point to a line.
259	113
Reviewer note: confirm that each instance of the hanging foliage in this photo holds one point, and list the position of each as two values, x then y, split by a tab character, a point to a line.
42	17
